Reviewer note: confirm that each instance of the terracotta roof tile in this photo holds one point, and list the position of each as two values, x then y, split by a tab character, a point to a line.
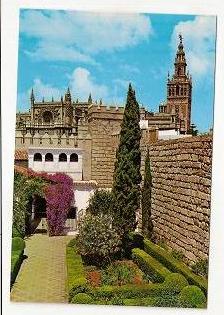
21	154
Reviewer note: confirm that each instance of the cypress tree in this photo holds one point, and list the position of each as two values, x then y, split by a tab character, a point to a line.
127	176
147	225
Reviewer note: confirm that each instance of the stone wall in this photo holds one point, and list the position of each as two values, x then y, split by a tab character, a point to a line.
181	172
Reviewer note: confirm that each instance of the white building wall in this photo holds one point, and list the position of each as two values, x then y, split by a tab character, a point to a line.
73	169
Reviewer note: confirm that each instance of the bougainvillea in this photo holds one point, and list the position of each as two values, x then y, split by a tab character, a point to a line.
59	197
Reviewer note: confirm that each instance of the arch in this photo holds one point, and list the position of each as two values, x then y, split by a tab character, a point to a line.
49	157
47	117
62	157
37	157
177	90
74	157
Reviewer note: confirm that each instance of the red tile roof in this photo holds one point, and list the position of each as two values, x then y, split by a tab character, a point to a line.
21	154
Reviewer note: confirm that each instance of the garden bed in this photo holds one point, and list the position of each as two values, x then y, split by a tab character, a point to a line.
142	281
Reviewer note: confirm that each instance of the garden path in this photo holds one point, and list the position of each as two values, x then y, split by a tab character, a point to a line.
43	274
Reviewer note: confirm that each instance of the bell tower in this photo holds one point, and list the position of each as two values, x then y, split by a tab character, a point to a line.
179	91
68	108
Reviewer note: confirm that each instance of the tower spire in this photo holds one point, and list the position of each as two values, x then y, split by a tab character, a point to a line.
180	60
32	98
68	97
90	99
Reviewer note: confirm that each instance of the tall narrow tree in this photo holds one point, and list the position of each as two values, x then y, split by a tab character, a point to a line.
127	176
147	225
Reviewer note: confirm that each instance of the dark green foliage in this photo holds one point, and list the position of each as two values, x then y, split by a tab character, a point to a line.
201	267
24	190
82	298
98	241
130	241
100	202
18	246
76	280
127	176
154	269
174	265
147	225
192	296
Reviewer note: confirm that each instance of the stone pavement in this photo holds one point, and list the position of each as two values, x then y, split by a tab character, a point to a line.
42	275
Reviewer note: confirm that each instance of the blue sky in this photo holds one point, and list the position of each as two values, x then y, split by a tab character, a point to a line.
101	53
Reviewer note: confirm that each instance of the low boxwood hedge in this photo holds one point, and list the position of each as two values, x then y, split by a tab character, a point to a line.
76	280
153	268
18	246
173	284
174	265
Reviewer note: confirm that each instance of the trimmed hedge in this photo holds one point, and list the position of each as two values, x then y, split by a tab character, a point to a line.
18	246
174	265
76	280
192	296
82	298
173	284
153	268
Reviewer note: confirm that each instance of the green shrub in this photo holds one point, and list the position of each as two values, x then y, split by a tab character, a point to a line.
175	282
82	298
121	272
98	241
100	202
139	301
201	267
192	296
154	269
18	244
175	266
76	280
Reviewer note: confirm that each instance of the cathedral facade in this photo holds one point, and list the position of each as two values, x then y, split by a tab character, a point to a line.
60	119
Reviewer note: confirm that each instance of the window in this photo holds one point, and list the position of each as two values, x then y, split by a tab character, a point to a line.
74	157
37	157
49	157
62	157
47	117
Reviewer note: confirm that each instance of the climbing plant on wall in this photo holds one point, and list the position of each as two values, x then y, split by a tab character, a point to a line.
25	188
59	197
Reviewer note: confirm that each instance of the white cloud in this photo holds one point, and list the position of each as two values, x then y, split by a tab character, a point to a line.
45	90
82	83
65	35
199	38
